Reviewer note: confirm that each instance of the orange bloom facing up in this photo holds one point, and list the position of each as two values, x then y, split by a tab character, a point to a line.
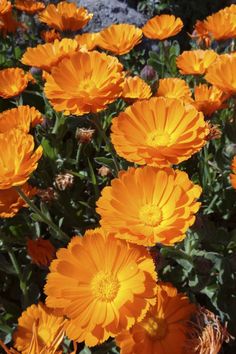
50	36
120	39
174	88
135	89
29	6
13	81
41	251
5	6
165	327
221	25
39	331
158	132
195	62
65	16
17	158
233	175
148	205
112	292
11	202
47	55
84	83
162	27
22	117
88	40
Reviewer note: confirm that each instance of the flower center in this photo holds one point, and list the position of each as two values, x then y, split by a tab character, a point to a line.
105	286
156	138
14	88
150	215
44	334
156	327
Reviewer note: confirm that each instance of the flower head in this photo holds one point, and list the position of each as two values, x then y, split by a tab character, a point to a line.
29	6
88	40
113	290
221	25
149	205
162	27
13	81
233	175
9	24
135	89
172	87
201	34
208	99
195	62
50	36
41	251
5	6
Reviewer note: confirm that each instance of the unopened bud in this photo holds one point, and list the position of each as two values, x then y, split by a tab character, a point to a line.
104	171
148	73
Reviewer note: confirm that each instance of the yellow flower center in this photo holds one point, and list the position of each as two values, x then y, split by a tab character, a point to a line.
14	88
105	286
156	138
150	215
156	327
45	335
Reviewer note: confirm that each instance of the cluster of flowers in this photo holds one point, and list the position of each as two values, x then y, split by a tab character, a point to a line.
105	283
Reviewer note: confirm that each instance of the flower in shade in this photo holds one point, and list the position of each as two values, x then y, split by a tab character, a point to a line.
88	40
221	25
5	6
17	158
110	293
9	24
50	36
39	330
148	205
21	117
84	83
41	251
165	327
47	55
162	27
65	16
13	81
195	62
135	89
120	39
233	175
158	132
208	99
11	202
29	6
201	34
172	87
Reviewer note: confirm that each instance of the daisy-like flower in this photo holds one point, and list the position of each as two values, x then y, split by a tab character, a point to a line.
11	202
41	251
47	55
5	6
165	327
148	205
113	291
65	16
120	39
13	81
158	132
84	83
29	6
221	25
22	117
195	62
172	87
233	175
208	99
17	158
162	27
39	331
135	89
50	36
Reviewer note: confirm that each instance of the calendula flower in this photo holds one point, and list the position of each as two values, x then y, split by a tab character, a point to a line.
172	87
22	117
65	16
233	175
120	39
135	89
201	34
29	6
162	27
165	327
11	202
158	132
39	331
195	62
88	40
221	25
41	251
5	6
50	36
148	205
84	83
13	81
208	99
113	290
47	55
17	158
9	24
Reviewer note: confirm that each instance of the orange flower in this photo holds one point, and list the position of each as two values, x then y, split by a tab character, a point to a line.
88	40
39	331
195	62
174	88
47	55
50	36
84	83
165	327
221	25
162	27
208	99
135	89
41	251
120	39
9	24
201	34
17	158
29	6
149	205
13	81
22	117
5	6
11	202
65	16
101	284
159	132
233	175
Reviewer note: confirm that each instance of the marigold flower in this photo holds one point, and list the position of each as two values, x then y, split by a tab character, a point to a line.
195	62
114	290
221	25
233	175
29	6
41	251
17	158
50	36
88	40
5	6
172	87
208	99
162	27
47	55
148	205
135	89
65	16
84	83
13	81
120	39
165	325
159	132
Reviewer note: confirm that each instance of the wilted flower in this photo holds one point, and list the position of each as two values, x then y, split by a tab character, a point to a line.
64	181
214	131
83	135
13	81
5	6
172	87
195	62
104	171
233	175
162	27
29	6
88	40
135	89
50	36
41	251
47	195
208	99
